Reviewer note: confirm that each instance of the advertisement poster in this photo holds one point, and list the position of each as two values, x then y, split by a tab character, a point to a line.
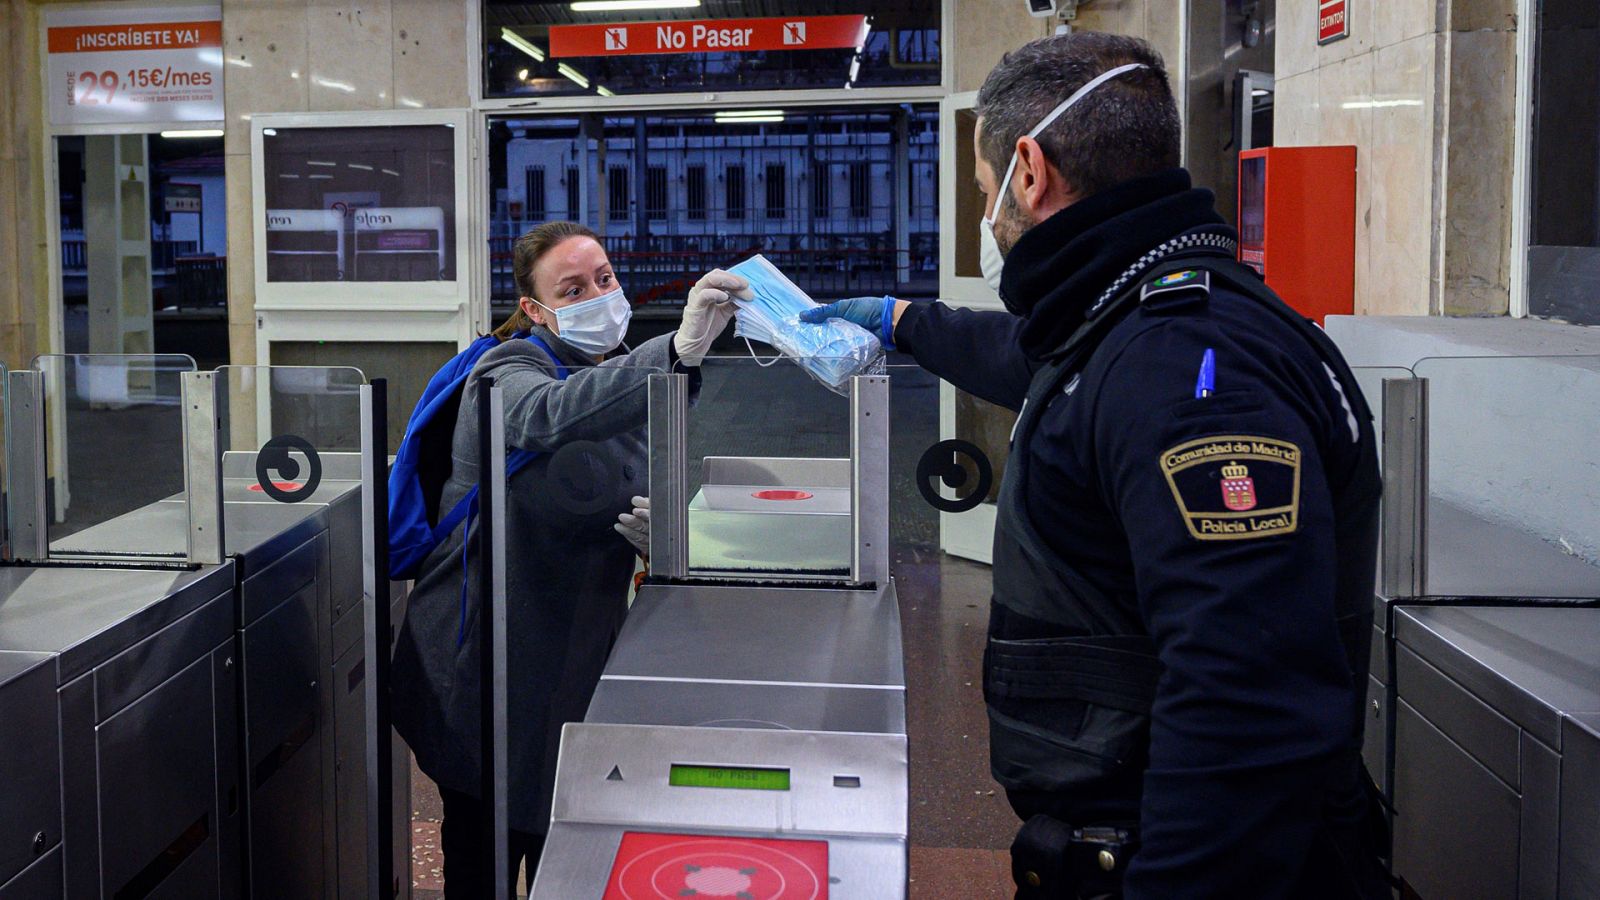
134	65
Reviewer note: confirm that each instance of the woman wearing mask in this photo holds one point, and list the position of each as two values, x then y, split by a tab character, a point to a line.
567	573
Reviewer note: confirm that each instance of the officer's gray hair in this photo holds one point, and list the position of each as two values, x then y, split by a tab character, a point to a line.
1125	128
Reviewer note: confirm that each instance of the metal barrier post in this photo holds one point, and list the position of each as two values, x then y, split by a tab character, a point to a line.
202	469
869	478
381	881
26	513
669	476
1404	549
492	629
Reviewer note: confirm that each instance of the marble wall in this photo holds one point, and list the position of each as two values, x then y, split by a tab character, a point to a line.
322	56
1425	90
24	260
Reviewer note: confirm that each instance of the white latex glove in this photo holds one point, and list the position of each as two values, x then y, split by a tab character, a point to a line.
635	526
708	312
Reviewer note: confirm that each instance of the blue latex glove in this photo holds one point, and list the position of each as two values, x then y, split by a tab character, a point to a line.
875	314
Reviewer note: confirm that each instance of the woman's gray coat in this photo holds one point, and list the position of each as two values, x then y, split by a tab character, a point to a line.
567	573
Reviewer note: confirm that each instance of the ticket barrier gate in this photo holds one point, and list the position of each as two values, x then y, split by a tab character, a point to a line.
1481	730
198	644
749	728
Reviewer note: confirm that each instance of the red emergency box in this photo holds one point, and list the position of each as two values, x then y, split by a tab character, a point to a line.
1297	225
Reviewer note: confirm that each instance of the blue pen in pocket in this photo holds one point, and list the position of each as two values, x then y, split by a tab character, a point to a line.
1206	382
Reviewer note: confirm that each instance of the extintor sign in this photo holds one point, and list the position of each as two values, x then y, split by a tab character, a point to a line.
710	36
1333	21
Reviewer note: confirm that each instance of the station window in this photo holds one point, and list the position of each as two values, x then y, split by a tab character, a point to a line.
695	187
860	190
656	193
550	49
777	191
359	203
733	206
617	194
732	188
534	191
821	190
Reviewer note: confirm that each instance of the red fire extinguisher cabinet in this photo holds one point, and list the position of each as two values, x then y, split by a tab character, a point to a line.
1297	225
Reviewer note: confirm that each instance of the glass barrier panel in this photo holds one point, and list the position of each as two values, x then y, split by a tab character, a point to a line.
290	433
114	438
1513	505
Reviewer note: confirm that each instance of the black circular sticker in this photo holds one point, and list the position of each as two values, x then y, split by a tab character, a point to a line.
942	461
274	456
581	475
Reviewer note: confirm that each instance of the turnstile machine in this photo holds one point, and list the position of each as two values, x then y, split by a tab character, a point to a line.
201	656
749	731
1485	672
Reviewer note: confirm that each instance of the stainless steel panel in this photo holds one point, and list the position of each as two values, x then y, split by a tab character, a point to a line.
156	772
578	858
80	812
1580	798
202	470
869	482
754	544
41	880
1489	737
1538	849
89	615
30	762
350	771
780	635
1456	825
1530	664
1375	740
669	475
720	705
1403	556
138	670
814	804
266	589
27	522
283	742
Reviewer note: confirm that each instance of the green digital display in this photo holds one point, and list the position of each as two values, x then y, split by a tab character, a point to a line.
729	777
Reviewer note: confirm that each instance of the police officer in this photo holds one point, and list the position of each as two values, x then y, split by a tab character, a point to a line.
1187	527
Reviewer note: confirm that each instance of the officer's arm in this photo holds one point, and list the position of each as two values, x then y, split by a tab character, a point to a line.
977	351
1230	527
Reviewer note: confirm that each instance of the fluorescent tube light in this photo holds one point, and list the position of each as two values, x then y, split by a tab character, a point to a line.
391	172
749	113
319	176
574	74
319	162
521	43
359	166
604	91
193	133
614	5
750	120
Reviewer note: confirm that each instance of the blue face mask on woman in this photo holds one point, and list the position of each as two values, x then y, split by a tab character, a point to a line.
594	326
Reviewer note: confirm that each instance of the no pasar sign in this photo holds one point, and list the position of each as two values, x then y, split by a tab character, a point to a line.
709	36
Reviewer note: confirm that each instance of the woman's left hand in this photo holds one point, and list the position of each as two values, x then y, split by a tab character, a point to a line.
635	526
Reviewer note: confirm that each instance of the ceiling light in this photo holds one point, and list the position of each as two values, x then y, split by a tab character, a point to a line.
855	69
572	73
749	113
193	133
270	132
750	120
866	29
391	172
1260	92
359	166
319	176
604	91
614	5
521	43
318	162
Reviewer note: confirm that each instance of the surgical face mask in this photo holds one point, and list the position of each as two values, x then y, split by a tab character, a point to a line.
990	259
594	326
830	353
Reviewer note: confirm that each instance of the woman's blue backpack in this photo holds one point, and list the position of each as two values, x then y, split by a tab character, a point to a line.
422	466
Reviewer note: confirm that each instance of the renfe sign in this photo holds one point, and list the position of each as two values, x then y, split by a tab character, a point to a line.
709	36
1333	21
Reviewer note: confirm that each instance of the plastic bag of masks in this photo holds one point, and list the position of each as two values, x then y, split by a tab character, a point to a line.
830	353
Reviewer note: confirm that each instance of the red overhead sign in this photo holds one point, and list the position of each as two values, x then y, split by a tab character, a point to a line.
1333	21
709	36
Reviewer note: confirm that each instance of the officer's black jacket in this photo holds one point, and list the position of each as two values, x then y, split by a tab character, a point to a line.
1258	693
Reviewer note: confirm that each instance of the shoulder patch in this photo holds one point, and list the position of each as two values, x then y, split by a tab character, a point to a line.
1235	487
1176	289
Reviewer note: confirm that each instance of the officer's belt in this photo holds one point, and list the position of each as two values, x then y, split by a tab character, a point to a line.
1114	671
